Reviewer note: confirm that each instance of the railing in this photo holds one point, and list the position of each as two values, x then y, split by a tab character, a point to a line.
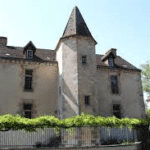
80	136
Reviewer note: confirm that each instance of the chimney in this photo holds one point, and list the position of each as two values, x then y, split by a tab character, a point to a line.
113	50
3	41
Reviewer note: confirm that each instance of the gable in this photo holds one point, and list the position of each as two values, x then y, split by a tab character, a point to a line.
29	46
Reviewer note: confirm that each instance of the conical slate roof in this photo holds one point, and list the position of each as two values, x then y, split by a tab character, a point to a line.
76	25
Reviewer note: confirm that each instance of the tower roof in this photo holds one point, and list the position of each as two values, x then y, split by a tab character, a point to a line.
76	25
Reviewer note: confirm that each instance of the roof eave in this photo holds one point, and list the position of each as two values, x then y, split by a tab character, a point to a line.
74	35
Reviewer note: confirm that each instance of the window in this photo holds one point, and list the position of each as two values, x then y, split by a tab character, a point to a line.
116	110
83	59
28	79
27	110
114	84
87	100
111	62
29	54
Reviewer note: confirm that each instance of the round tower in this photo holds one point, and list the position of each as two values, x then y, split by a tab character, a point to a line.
75	53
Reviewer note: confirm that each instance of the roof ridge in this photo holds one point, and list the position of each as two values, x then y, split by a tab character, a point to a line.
75	18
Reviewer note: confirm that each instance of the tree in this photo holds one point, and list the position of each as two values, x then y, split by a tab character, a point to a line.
147	113
146	77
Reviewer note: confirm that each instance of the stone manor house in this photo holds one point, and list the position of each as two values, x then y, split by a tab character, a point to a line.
70	79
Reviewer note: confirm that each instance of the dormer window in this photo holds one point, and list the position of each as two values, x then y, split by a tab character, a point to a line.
29	54
29	50
111	61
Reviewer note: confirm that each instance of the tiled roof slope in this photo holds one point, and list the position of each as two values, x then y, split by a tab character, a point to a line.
118	61
50	55
17	52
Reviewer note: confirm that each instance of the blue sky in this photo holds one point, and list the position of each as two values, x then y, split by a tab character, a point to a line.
121	24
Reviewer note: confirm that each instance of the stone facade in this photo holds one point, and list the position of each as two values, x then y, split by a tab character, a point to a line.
12	92
62	82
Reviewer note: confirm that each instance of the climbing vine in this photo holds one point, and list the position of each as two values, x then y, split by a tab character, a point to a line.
17	122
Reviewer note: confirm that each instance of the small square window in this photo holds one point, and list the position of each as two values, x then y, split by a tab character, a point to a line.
83	59
27	110
28	72
27	114
87	100
27	106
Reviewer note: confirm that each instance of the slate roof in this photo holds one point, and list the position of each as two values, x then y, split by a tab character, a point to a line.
118	61
50	55
76	25
107	55
17	53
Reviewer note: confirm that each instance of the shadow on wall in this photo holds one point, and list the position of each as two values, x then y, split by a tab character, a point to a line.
69	102
52	142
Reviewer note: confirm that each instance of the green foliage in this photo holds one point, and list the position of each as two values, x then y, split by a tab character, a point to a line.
146	77
127	142
17	122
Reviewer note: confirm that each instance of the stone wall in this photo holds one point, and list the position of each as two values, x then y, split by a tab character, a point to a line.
130	95
44	83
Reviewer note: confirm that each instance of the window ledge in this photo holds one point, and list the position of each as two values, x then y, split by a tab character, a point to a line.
28	90
115	93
